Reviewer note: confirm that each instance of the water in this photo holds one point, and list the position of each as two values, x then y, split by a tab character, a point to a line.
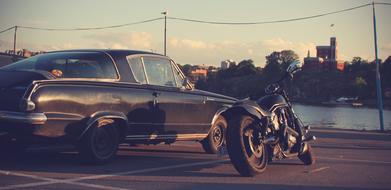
342	117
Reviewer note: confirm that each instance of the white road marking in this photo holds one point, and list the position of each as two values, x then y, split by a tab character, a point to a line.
318	169
148	170
27	176
27	185
75	181
49	181
97	186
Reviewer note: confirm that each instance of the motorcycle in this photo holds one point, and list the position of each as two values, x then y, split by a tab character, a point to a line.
268	129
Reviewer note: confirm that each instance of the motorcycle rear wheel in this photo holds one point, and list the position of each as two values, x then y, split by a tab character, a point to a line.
248	156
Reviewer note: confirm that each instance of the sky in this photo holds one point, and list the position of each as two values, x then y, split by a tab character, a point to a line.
197	43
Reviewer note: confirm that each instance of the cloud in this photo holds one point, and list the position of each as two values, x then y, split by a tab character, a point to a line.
7	45
183	50
192	44
197	51
386	47
3	44
191	51
133	40
51	47
301	48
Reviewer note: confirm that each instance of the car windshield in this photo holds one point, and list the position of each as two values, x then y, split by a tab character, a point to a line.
69	65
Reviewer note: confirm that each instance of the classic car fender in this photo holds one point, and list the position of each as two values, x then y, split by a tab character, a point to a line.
217	114
117	117
247	107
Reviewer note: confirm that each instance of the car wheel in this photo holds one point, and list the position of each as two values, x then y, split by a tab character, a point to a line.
100	144
216	136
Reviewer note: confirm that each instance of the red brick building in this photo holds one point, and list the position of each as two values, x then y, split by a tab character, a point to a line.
326	57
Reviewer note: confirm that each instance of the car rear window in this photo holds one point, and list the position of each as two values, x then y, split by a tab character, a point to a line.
70	65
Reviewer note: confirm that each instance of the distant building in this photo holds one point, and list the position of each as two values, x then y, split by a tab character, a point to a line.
227	64
326	57
197	74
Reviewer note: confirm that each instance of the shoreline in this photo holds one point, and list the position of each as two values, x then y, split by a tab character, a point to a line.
315	128
365	104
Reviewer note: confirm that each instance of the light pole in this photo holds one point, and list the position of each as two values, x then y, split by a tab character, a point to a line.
165	32
378	82
16	28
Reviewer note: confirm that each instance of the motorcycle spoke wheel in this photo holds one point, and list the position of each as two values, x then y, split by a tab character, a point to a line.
255	150
247	153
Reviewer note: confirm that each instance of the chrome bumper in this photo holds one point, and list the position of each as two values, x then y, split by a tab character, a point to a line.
26	118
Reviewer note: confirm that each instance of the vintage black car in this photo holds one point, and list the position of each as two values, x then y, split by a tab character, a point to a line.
97	99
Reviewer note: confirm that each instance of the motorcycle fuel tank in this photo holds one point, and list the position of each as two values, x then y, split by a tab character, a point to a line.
270	102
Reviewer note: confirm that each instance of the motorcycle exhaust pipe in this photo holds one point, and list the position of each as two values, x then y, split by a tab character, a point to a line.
309	138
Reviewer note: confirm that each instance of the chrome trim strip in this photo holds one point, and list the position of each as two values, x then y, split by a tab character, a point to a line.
28	118
63	116
166	136
172	124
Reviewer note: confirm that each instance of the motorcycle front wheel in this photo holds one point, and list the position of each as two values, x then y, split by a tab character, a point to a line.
247	154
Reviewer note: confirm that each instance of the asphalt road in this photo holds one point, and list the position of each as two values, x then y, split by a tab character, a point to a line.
345	160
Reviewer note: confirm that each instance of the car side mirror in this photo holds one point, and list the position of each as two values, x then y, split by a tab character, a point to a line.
186	84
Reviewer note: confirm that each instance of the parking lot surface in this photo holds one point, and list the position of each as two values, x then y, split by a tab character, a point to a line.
345	160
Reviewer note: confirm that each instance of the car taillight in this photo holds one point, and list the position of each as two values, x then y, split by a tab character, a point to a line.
26	105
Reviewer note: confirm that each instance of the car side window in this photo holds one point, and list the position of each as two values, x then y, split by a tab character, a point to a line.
138	69
70	65
159	71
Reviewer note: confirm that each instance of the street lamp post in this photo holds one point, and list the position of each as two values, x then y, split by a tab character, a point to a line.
16	28
165	32
378	82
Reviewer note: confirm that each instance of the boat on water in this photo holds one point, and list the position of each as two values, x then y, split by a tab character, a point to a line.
344	101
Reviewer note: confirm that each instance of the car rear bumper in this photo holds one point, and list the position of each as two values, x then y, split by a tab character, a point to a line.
23	118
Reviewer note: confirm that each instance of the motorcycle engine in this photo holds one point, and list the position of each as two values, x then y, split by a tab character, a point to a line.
275	121
280	122
291	141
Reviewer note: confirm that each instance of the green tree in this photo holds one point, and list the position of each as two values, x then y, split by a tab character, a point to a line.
386	73
361	87
186	69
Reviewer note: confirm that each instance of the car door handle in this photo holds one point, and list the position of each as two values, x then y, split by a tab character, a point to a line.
155	101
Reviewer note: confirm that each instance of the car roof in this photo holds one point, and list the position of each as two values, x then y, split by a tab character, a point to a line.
117	56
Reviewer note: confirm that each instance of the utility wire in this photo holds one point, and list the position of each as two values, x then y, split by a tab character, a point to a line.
197	21
269	22
7	29
382	3
92	28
